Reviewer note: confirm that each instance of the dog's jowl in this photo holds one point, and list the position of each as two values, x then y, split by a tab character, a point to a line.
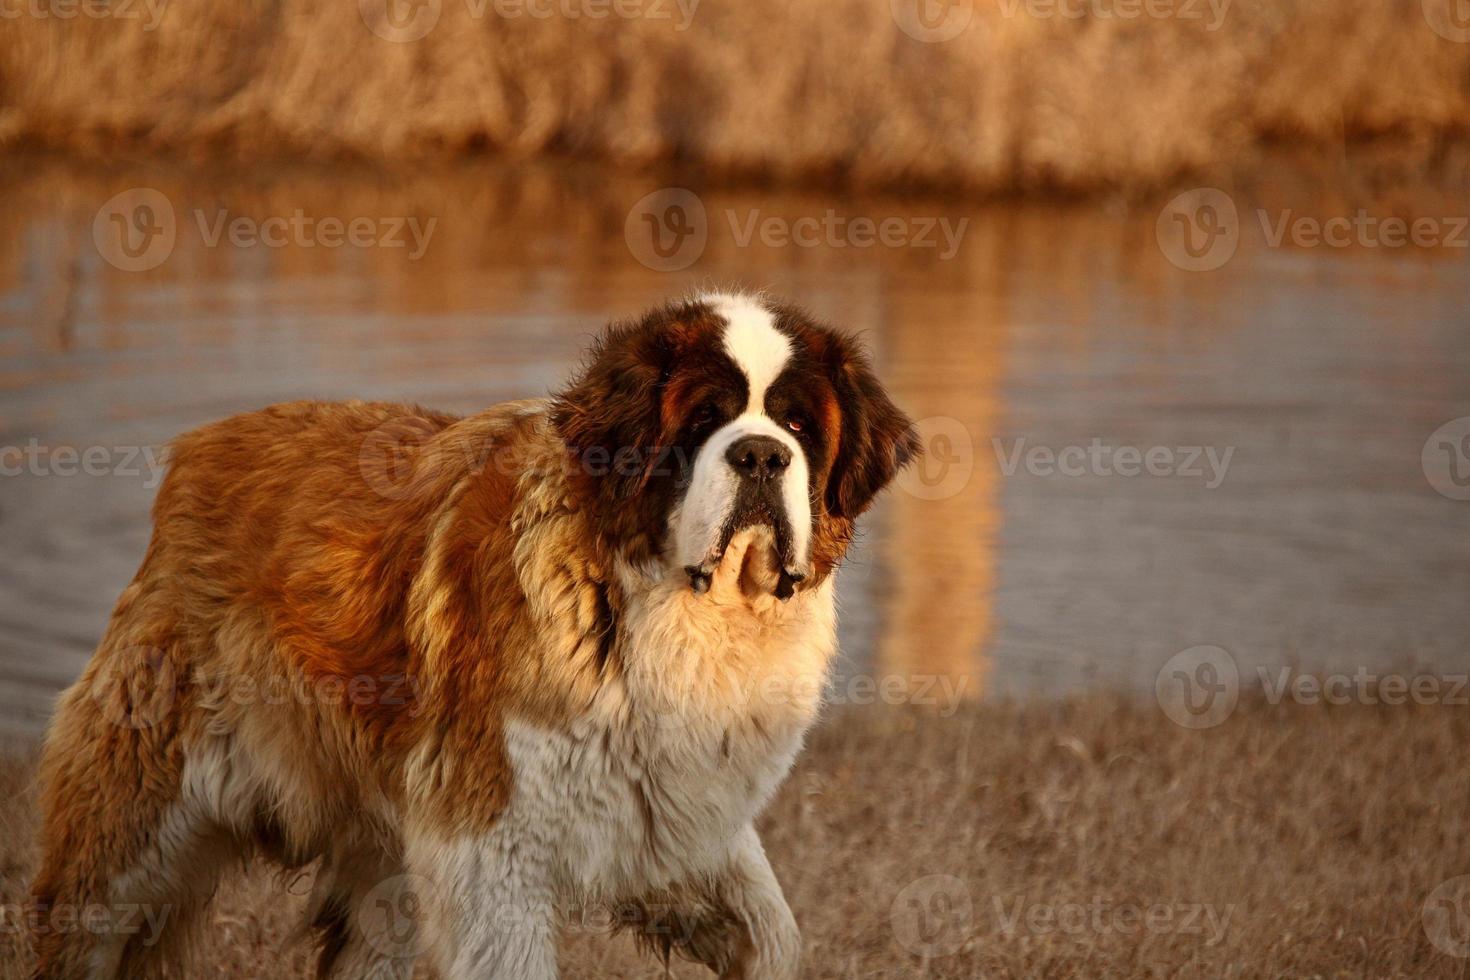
481	674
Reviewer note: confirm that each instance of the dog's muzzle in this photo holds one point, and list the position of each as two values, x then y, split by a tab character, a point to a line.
760	464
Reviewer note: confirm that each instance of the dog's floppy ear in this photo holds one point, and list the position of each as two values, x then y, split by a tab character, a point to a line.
612	406
877	439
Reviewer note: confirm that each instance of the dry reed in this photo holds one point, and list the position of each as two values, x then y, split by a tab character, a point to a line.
1023	99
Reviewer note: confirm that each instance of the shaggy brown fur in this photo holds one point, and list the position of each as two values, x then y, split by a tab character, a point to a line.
275	567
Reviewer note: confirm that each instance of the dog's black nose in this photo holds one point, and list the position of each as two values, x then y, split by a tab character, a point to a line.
758	457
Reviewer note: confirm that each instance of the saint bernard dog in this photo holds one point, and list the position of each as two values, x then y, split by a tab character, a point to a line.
479	674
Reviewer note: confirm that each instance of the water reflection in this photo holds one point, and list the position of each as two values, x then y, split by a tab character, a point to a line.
1321	371
940	563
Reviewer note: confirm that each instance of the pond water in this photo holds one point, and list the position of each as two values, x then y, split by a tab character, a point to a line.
1137	444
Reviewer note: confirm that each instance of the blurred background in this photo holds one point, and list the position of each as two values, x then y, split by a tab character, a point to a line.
1178	287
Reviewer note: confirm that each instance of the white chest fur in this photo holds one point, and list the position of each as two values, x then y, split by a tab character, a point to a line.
652	783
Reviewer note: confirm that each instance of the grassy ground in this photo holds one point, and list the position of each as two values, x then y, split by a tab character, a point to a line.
1026	95
1087	839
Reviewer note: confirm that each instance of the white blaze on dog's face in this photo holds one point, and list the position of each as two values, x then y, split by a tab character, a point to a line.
752	469
727	412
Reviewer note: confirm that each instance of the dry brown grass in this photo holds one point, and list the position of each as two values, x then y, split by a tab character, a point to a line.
808	89
1315	834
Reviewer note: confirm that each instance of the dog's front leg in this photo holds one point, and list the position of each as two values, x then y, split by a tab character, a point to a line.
768	947
487	910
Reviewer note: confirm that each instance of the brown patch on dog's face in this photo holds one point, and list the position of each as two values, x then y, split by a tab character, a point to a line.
860	440
658	392
631	419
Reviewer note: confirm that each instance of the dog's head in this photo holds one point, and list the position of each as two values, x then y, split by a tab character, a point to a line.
725	412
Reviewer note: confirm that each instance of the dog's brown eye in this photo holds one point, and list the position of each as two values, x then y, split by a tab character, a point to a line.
796	422
705	414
